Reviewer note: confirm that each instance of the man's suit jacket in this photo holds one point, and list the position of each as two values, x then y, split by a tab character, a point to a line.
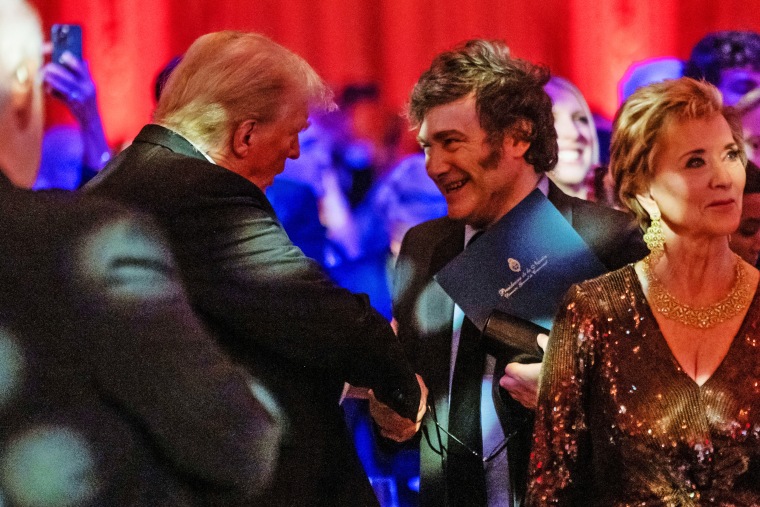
424	313
273	309
111	370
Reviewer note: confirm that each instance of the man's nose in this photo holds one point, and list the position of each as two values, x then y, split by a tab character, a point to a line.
435	162
295	150
566	127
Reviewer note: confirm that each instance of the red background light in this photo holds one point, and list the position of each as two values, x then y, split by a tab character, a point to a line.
590	42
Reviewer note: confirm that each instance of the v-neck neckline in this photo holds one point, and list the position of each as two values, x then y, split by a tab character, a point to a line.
664	343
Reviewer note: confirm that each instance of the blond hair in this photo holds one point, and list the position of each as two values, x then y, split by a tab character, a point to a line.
563	84
639	125
227	77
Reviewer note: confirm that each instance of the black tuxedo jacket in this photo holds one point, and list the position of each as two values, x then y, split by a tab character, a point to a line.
106	359
424	313
273	309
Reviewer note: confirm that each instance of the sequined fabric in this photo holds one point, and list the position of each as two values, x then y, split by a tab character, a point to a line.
620	423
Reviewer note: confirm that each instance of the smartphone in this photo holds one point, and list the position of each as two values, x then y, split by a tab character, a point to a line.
66	38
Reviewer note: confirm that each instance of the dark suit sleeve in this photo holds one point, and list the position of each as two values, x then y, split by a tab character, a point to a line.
151	358
263	287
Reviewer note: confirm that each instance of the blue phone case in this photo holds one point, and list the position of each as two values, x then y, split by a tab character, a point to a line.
66	38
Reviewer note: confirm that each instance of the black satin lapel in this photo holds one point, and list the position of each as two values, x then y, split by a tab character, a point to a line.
156	134
447	248
438	308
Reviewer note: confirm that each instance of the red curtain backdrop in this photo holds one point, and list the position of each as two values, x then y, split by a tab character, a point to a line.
590	42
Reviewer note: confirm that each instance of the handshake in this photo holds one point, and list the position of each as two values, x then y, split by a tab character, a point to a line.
392	425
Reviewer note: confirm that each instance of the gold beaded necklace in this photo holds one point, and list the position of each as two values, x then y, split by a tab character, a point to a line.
704	317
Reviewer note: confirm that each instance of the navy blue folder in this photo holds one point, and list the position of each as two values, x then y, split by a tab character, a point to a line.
523	265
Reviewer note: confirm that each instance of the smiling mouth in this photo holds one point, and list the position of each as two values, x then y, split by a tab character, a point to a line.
568	155
453	186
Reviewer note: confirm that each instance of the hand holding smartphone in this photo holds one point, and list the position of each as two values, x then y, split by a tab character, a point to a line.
67	77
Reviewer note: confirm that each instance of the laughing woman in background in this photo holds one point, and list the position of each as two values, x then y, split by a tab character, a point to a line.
576	137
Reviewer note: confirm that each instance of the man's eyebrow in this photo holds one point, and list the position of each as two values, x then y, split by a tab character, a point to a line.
443	134
440	135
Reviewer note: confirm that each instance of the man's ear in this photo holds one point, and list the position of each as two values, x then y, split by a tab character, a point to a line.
22	94
514	143
243	137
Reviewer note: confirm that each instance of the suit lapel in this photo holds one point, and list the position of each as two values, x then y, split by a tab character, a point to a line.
438	308
448	247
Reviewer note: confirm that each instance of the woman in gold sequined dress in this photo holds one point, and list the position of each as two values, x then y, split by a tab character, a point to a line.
650	390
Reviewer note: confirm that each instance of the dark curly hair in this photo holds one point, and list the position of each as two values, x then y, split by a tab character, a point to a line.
723	50
509	96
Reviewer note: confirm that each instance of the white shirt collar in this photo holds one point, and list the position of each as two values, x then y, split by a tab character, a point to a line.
201	151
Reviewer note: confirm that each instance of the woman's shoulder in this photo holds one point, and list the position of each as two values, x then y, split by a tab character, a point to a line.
623	279
608	294
596	309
